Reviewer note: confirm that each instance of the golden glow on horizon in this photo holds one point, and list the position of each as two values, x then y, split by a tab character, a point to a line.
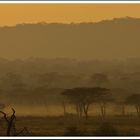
11	14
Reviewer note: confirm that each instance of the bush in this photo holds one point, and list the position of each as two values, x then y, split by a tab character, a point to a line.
131	132
106	129
73	131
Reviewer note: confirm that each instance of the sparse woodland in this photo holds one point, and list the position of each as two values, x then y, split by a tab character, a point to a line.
80	80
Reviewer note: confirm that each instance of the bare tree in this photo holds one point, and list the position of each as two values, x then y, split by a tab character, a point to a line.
11	128
10	121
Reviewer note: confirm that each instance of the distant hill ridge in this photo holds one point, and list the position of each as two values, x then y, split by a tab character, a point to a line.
127	18
107	39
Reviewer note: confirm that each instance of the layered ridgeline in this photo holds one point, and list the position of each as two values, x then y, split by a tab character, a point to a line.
117	38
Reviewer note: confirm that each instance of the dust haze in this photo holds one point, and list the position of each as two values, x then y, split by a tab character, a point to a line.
85	72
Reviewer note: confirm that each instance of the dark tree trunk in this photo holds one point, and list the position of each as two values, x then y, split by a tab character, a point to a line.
138	110
123	109
9	128
79	110
86	108
64	108
103	110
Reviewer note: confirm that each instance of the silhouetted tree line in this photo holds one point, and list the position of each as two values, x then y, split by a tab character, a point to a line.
83	98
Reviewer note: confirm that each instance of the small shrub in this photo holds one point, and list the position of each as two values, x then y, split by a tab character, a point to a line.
131	132
106	129
73	131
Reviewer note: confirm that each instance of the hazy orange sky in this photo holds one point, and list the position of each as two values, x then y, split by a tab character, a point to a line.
11	14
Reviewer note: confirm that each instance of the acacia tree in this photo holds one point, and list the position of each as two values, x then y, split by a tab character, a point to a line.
134	99
103	100
120	101
122	107
82	98
47	79
99	79
74	98
13	81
